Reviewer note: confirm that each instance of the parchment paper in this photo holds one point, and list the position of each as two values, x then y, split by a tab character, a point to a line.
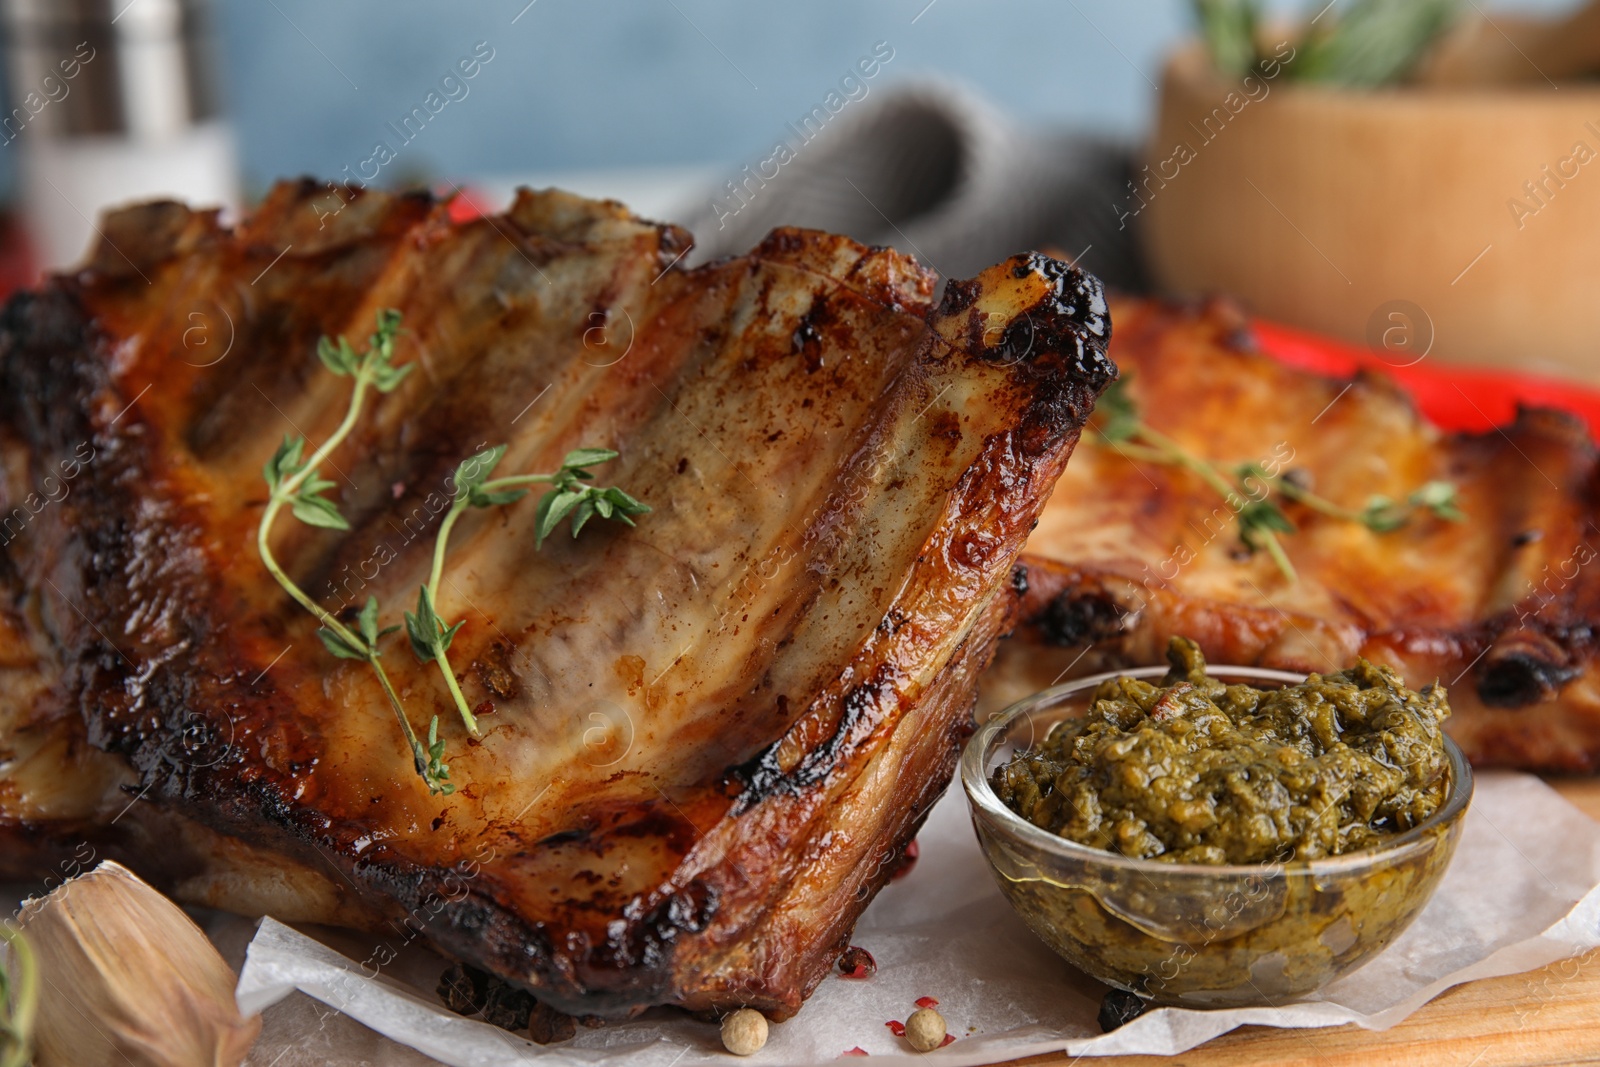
1521	893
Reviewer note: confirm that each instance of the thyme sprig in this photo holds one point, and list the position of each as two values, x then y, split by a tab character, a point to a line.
1119	425
570	498
19	999
295	483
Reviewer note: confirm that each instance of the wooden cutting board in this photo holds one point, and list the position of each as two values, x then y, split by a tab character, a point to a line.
1545	1017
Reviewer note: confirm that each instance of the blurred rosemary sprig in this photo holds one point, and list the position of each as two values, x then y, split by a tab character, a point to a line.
1229	29
1118	425
1358	44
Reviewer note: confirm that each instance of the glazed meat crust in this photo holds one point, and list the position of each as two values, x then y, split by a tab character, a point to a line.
707	739
1501	607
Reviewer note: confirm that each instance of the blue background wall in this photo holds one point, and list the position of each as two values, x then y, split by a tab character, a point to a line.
602	84
606	83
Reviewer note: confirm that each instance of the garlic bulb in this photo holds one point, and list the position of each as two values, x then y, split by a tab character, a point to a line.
127	978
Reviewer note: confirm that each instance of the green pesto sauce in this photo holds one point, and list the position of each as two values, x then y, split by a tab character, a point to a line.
1195	771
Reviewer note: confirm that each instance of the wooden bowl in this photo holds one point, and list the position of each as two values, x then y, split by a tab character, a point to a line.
1461	223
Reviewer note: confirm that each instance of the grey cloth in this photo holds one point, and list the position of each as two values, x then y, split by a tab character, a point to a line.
933	170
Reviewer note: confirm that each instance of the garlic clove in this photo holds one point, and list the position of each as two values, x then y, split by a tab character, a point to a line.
127	978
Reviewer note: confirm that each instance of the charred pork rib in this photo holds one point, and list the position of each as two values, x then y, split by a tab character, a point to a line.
708	739
1502	607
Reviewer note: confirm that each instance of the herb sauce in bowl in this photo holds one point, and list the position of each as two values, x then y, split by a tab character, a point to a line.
1189	769
1221	837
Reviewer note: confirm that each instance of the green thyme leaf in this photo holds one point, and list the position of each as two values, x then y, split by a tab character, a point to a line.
337	356
1260	516
438	771
368	622
285	462
610	503
421	643
1254	480
1439	497
1117	412
382	341
313	486
570	497
554	506
585	510
377	361
448	634
385	379
475	470
422	628
428	634
318	511
479	498
312	508
1383	515
587	457
338	645
624	504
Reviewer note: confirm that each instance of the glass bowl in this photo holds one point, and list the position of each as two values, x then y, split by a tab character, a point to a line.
1200	935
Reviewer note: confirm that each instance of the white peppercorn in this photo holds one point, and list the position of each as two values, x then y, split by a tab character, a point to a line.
925	1029
744	1032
